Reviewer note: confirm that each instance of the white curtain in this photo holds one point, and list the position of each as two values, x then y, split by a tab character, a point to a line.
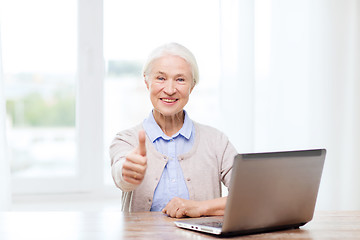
336	115
305	88
4	165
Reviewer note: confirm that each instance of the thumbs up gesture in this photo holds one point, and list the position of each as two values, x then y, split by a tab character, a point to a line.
134	167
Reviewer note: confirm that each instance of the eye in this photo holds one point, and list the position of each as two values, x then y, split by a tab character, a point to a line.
180	79
160	78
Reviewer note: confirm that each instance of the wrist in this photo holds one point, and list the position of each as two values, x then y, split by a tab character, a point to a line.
204	208
213	207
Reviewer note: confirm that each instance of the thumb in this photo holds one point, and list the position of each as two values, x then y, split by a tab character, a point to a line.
142	147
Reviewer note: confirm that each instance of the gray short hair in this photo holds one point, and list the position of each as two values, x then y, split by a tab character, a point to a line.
174	49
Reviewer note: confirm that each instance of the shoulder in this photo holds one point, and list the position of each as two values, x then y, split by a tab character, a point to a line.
207	131
129	133
128	137
211	137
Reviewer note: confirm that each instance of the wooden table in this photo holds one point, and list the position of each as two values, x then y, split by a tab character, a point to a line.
117	225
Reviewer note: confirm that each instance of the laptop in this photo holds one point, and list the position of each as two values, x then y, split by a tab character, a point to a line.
268	192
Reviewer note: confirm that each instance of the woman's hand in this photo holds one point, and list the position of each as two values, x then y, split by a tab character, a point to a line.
178	207
134	167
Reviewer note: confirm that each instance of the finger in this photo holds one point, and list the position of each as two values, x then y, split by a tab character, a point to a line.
142	147
180	213
170	210
133	175
132	180
135	161
167	208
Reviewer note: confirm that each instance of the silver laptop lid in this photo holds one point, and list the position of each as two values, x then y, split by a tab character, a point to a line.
273	189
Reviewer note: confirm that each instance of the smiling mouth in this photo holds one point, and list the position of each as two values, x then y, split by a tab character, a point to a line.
167	100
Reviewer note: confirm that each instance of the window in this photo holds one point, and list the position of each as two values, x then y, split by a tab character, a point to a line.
39	64
52	89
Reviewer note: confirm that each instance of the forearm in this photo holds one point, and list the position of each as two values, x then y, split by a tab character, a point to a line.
213	207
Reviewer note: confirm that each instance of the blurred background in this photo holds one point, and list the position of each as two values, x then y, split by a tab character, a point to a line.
274	75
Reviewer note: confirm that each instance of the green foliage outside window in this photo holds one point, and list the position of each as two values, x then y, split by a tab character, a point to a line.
35	109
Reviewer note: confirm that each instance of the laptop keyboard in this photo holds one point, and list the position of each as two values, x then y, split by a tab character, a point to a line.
216	224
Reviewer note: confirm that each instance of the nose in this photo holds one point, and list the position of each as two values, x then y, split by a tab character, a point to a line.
170	87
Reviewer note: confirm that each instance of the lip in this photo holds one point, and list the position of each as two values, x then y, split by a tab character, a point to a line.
169	100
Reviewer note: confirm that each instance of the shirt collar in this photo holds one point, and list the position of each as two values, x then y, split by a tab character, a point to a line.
154	131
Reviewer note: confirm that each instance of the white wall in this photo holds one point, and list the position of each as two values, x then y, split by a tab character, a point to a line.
4	165
237	93
335	92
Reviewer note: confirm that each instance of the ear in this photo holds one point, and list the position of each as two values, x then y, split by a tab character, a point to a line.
192	88
146	82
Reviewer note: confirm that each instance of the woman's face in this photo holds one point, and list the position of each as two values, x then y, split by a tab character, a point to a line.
170	83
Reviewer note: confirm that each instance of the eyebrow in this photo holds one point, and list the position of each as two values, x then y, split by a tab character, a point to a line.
176	75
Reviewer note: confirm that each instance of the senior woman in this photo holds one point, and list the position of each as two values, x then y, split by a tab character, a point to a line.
170	163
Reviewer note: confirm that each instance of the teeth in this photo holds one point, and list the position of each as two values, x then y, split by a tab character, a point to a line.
168	100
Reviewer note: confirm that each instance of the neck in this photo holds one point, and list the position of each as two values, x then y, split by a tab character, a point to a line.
169	124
